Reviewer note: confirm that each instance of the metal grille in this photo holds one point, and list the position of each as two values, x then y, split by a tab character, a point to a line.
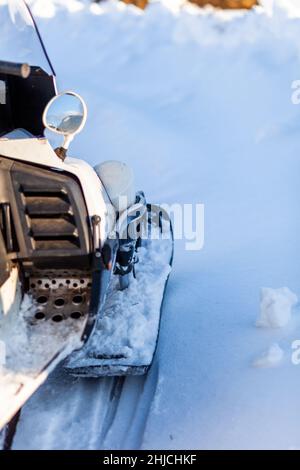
60	294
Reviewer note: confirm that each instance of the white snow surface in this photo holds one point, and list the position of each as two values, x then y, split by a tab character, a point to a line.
199	103
276	307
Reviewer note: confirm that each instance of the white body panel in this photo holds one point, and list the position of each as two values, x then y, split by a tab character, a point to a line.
39	151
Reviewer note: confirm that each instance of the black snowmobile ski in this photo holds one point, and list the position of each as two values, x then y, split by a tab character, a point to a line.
125	337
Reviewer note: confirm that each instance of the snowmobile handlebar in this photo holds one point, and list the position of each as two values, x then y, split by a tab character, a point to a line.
12	68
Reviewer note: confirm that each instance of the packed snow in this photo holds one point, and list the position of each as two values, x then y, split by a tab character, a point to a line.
200	104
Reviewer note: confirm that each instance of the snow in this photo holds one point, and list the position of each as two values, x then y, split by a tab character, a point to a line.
272	358
276	307
199	103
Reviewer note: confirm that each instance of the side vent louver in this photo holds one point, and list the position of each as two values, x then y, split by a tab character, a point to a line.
51	220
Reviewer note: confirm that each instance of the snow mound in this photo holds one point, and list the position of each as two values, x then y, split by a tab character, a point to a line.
276	307
272	358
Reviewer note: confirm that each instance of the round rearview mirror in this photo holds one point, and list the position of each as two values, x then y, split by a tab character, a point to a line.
65	114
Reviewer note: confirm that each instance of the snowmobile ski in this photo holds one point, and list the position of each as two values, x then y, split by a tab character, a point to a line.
126	333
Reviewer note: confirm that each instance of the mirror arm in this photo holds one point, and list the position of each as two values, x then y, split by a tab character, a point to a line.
67	140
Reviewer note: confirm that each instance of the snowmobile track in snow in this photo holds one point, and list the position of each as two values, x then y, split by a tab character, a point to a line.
8	433
115	414
115	394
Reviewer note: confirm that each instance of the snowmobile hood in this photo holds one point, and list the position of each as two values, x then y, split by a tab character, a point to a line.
20	39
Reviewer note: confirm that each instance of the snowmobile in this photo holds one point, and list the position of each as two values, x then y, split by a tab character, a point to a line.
84	259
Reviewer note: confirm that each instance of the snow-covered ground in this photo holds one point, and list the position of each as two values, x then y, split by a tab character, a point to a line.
199	103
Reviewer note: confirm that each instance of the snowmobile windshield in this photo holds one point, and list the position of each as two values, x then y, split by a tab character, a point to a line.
20	41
